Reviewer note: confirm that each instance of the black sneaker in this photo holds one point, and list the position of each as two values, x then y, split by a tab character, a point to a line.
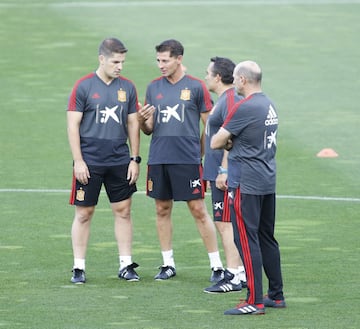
78	276
128	273
217	274
246	309
224	285
275	303
166	272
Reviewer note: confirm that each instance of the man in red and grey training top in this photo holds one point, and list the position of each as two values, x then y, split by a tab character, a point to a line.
101	117
250	132
219	79
174	105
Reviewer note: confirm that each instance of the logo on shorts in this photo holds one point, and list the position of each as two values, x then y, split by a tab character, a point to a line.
80	194
218	207
150	185
231	197
195	184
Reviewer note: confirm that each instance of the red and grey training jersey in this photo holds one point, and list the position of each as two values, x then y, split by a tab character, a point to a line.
176	134
216	118
105	108
253	124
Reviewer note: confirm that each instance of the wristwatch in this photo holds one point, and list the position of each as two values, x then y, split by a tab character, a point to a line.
137	159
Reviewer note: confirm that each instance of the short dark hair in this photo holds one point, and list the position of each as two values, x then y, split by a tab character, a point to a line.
111	45
173	46
224	67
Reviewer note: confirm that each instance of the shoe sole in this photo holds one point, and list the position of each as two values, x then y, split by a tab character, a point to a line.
130	280
159	279
78	282
221	292
253	313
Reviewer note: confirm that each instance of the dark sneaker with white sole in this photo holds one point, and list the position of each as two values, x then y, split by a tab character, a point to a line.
224	285
128	273
217	274
246	309
78	276
166	272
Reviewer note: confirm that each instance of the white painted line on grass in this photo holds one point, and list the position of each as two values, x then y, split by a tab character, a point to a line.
300	197
321	198
31	190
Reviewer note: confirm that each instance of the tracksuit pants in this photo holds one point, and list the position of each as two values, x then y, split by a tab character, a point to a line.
253	219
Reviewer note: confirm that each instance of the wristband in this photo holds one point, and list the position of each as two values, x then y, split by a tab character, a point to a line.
137	159
222	170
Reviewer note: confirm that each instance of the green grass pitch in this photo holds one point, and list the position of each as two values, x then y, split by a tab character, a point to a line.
309	53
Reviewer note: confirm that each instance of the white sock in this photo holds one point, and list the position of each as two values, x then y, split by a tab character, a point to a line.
215	260
168	258
124	261
79	263
242	273
236	279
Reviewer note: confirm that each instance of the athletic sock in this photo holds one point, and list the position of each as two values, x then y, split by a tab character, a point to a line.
124	261
215	260
79	263
168	258
242	273
236	279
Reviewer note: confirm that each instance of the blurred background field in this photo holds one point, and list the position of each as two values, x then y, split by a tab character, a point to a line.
309	53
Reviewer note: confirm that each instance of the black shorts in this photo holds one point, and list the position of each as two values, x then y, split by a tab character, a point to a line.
219	204
114	179
182	182
233	201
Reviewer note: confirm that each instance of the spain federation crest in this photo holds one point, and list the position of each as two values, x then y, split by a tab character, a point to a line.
185	94
150	185
80	194
121	95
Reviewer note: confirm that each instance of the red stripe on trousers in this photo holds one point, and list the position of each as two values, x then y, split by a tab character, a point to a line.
245	248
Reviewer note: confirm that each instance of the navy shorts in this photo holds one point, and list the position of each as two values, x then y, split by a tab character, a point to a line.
114	179
178	182
219	204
